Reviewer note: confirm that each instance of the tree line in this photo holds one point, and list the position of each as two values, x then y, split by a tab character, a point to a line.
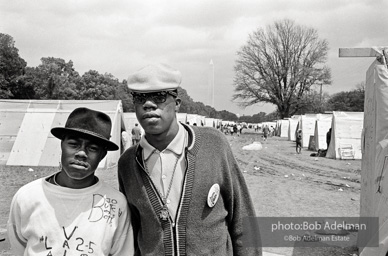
55	78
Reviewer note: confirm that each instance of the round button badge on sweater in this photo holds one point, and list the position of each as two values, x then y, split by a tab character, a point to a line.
213	195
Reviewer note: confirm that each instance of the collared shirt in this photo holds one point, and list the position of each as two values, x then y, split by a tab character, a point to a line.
160	167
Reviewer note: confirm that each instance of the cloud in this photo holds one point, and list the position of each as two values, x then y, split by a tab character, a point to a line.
121	36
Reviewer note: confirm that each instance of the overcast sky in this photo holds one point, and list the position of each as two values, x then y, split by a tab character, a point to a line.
121	36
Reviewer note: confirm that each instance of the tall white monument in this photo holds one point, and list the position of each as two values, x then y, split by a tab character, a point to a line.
211	83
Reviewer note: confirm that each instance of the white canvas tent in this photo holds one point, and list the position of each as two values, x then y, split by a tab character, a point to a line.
210	122
322	126
283	128
346	129
182	117
225	122
307	125
374	168
201	120
293	124
25	127
269	124
195	119
218	122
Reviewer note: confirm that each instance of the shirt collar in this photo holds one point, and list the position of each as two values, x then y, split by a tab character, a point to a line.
176	145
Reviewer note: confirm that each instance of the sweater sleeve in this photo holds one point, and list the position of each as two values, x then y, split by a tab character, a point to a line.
123	165
16	239
242	207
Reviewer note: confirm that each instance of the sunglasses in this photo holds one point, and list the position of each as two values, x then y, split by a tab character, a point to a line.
156	97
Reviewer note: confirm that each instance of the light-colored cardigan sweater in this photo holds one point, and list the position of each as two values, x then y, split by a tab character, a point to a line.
199	229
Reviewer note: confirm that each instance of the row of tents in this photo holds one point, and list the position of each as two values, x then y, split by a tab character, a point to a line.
25	138
345	134
358	135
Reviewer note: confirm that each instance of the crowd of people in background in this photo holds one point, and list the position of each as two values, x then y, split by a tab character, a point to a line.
227	129
232	128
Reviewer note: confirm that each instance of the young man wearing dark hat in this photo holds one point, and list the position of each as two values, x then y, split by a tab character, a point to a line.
183	185
73	212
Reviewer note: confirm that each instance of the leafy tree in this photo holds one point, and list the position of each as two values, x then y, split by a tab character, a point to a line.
226	115
352	101
313	103
189	106
11	67
54	79
124	94
256	118
22	88
95	86
279	66
271	116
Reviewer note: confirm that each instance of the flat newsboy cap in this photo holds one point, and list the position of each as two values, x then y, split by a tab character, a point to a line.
154	78
90	123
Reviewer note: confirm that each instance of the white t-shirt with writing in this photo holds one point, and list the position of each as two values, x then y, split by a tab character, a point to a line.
47	219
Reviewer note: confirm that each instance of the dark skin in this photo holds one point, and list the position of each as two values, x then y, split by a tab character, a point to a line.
80	158
159	121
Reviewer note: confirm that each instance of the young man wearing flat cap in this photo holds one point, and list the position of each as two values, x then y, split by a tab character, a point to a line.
73	212
186	193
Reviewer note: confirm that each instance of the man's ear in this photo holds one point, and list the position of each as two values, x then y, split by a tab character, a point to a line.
177	104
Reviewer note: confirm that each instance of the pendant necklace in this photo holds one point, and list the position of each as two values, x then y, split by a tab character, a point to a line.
164	213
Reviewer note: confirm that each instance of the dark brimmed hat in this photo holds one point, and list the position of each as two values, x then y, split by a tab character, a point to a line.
154	78
89	123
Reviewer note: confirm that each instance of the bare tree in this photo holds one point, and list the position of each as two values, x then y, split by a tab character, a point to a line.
360	87
279	66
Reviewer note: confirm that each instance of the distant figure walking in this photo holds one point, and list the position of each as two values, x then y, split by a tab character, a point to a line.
266	131
235	130
136	134
298	140
239	128
272	131
231	130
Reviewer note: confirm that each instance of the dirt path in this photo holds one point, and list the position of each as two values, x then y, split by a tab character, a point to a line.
282	184
285	184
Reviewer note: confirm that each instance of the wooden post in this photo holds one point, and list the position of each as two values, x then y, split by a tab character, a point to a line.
379	52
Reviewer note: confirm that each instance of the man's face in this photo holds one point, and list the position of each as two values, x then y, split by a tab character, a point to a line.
157	118
80	156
